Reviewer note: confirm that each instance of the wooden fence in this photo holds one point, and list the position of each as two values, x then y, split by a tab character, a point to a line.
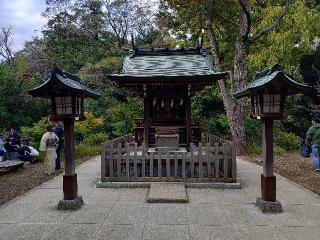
214	161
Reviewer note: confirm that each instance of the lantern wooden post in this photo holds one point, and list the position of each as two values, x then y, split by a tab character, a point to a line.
70	184
268	180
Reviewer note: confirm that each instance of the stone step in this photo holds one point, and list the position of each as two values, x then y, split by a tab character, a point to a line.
167	193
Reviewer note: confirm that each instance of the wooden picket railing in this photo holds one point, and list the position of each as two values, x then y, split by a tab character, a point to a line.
214	161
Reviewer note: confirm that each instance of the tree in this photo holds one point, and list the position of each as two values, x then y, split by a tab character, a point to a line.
222	19
100	18
127	17
6	44
74	39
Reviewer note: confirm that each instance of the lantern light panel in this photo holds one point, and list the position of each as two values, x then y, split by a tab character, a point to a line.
271	103
63	105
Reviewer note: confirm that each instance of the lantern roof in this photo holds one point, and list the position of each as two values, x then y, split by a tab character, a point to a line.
167	66
273	78
62	83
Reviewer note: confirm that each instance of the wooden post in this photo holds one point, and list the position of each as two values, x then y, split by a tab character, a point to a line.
268	180
70	184
146	121
188	117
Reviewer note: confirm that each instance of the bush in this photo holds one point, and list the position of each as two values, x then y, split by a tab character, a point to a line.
91	125
96	139
86	150
253	130
279	150
287	141
255	148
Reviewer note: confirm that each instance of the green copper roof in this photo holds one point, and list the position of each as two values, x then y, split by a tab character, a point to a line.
62	82
167	63
273	77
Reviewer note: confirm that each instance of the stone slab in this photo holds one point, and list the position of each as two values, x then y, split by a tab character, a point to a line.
73	232
167	214
91	214
127	214
245	214
119	232
165	232
207	214
46	214
213	185
167	193
28	232
5	227
212	232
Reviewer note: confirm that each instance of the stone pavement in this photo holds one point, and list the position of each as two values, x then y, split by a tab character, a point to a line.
124	214
167	193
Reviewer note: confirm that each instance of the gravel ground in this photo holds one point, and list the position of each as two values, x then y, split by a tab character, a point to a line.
15	183
294	167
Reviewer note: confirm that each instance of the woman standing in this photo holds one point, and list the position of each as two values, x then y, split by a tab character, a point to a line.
49	145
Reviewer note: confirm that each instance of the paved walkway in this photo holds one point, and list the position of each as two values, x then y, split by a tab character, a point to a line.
123	213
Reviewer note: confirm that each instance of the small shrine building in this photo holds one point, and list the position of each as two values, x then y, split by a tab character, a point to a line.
167	79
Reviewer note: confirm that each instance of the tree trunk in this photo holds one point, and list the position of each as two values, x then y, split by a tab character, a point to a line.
240	79
235	109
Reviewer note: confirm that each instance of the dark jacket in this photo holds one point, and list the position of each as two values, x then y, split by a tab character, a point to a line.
13	142
59	132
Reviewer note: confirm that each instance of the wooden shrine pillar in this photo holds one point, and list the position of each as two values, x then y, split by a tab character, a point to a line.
188	118
146	121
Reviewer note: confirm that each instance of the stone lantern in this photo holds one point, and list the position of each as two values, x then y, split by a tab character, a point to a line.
67	94
268	92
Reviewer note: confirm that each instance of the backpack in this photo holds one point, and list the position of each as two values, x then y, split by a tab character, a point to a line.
305	151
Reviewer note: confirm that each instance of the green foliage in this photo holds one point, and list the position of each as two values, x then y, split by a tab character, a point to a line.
96	139
85	150
123	115
293	37
298	118
91	125
288	141
279	150
283	141
254	148
95	75
35	132
17	107
207	107
253	131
